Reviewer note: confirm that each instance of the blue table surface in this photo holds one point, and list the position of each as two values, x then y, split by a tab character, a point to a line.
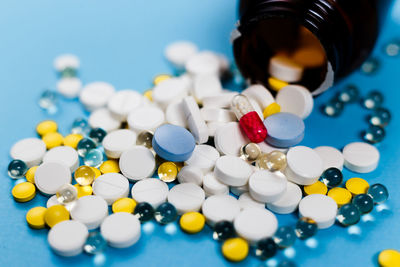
122	42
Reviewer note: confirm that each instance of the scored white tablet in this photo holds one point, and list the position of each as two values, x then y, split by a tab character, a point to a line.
266	186
247	201
116	142
96	95
63	154
111	186
232	170
145	118
203	157
123	102
191	174
212	186
220	208
150	190
137	163
90	210
186	197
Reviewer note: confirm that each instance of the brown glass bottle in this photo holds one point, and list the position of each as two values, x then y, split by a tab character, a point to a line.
345	31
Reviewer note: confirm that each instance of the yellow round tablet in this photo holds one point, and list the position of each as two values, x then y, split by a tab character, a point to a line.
72	140
276	84
389	258
161	77
192	222
148	94
56	214
23	192
125	204
53	140
235	249
35	217
85	190
316	188
108	166
46	127
97	172
357	186
340	195
271	109
30	174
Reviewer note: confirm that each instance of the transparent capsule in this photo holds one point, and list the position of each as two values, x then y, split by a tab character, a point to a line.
363	202
332	177
93	158
273	161
380	117
165	213
349	94
144	211
305	228
392	48
95	243
266	248
168	171
373	100
374	134
348	214
84	175
223	230
48	101
379	193
17	169
249	121
250	152
145	138
285	236
333	108
97	135
67	194
85	145
370	66
80	126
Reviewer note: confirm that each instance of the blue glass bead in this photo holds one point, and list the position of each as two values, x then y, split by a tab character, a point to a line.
285	236
333	108
223	230
144	211
392	48
68	72
332	177
17	169
373	100
363	202
266	248
166	213
80	126
348	214
380	117
374	134
349	94
237	77
48	101
85	145
286	263
97	135
93	158
305	228
378	192
95	243
370	66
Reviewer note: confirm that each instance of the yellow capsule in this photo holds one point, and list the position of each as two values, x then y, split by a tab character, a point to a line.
110	165
276	84
56	214
148	94
125	204
23	192
271	109
341	195
235	249
160	78
316	188
84	175
192	222
53	140
35	217
167	172
389	258
46	127
72	140
357	186
85	190
96	172
30	174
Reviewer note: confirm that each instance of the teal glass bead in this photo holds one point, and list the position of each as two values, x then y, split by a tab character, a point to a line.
363	202
85	145
370	66
348	214
374	134
17	169
93	158
95	243
378	192
373	100
80	126
333	108
332	177
305	228
165	213
223	230
349	94
380	117
392	49
144	211
286	263
97	135
68	72
285	236
266	248
48	101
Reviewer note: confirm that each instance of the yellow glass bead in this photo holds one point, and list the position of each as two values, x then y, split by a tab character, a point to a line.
108	166
357	186
72	140
84	175
316	188
46	127
30	174
148	94
168	172
97	172
192	222
35	217
273	161
145	138
276	84
23	192
53	140
235	249
85	190
341	195
250	152
56	214
389	258
125	204
271	109
160	78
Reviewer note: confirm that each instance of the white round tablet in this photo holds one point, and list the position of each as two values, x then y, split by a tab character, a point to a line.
203	157
50	176
289	201
295	99
304	165
254	224
179	52
331	157
186	197
174	114
96	95
222	100
238	190
64	154
124	102
212	186
90	210
266	186
283	68
205	62
260	94
169	90
150	190
247	201
205	85
232	170
229	139
52	201
145	118
29	150
137	163
121	229
191	174
220	208
217	115
102	118
116	142
69	87
360	157
67	238
66	61
111	186
322	209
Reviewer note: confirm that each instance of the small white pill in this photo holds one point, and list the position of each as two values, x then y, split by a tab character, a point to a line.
111	186
64	154
295	99
90	210
212	186
222	100
220	208
203	157
217	115
322	209
266	186
174	114
206	85
69	87
191	174
331	157
124	102
50	176
213	126
179	52
289	201
150	190
52	201
29	150
238	190
186	197
246	201
66	61
205	62
121	229
169	90
137	163
102	118
146	118
360	157
229	139
116	142
96	95
196	123
260	94
232	170
283	68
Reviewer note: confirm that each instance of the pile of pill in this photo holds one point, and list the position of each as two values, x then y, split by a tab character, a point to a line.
222	158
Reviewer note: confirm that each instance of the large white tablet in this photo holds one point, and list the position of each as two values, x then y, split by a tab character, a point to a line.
111	186
63	154
29	150
150	190
266	186
116	142
102	118
203	157
90	210
322	209
295	99
331	157
360	157
232	170
229	139
137	163
96	95
124	102
145	118
50	176
289	201
186	197
220	208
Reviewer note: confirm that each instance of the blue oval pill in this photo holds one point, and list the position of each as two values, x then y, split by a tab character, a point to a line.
173	143
284	129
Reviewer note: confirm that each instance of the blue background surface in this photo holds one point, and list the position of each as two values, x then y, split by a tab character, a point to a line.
122	42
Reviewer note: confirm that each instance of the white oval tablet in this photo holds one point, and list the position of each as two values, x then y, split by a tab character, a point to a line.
295	99
203	157
137	163
50	176
67	238
212	186
232	170
121	229
116	142
178	53
69	87
191	174
266	186
90	210
96	95
289	201
331	157
174	114
102	118
111	186
222	100
217	115
229	139
52	201
205	85
205	62
254	224
124	102
186	197
360	157
64	154
238	190
66	61
169	90
283	68
322	209
220	208
145	118
246	201
29	150
260	94
150	190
